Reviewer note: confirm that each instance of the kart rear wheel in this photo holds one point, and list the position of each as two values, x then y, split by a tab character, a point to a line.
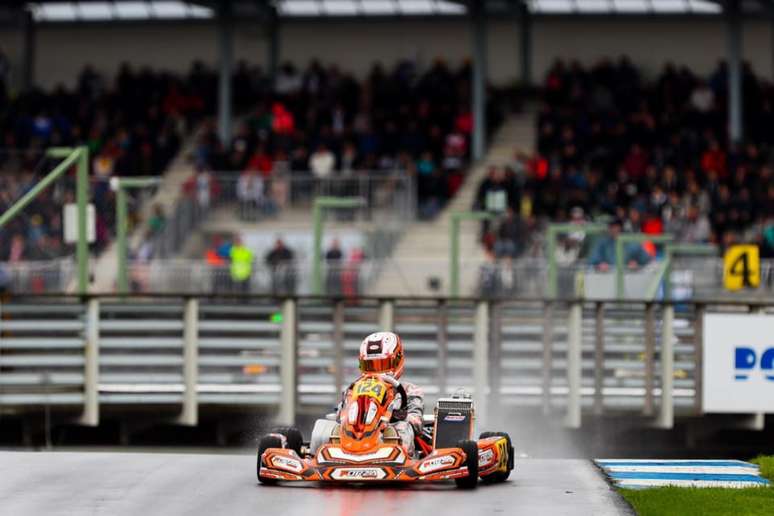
293	435
471	461
268	441
499	476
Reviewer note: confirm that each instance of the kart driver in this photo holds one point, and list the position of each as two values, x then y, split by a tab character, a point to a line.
382	352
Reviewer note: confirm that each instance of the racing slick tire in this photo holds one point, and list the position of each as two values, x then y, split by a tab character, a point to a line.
268	441
499	476
471	461
293	435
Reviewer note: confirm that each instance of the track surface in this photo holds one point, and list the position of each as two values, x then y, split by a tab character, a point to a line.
169	484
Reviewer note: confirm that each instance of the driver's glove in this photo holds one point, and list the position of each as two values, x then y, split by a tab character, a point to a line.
415	421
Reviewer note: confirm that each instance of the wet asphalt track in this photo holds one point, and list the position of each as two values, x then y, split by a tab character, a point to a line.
148	484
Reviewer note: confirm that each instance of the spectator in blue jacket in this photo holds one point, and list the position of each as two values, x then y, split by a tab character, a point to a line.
602	256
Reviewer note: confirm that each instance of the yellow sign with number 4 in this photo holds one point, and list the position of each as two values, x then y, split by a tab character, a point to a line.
741	267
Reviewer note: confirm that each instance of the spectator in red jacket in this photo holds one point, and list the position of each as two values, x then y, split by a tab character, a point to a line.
714	159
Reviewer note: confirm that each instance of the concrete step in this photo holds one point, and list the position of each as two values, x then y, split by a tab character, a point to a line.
423	252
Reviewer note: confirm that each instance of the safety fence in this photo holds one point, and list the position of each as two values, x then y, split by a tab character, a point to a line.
296	354
389	197
693	278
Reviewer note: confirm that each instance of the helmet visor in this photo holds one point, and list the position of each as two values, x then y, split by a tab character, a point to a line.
378	365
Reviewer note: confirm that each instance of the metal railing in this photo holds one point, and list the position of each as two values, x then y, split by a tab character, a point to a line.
691	278
291	354
390	198
37	277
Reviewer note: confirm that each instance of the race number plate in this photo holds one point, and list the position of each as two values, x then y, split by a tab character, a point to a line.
370	387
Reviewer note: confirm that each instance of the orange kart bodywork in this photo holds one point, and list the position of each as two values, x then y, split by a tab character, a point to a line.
388	463
364	447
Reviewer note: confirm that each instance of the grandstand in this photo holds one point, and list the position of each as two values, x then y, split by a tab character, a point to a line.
543	195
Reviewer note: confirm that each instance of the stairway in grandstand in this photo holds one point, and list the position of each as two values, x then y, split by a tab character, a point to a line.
423	251
105	266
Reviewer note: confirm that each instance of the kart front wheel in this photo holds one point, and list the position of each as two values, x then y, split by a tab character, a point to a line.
266	442
294	437
471	461
499	476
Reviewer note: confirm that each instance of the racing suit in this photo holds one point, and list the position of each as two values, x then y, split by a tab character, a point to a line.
415	409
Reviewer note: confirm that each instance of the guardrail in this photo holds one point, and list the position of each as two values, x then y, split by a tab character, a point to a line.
298	353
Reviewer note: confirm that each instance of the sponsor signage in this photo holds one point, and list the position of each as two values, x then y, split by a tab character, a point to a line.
359	474
280	462
485	457
738	358
436	464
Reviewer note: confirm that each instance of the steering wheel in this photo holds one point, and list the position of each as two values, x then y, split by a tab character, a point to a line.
400	413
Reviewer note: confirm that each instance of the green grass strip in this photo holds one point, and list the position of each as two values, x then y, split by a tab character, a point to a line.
709	501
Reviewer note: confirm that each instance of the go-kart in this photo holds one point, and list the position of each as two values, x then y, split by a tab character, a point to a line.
358	444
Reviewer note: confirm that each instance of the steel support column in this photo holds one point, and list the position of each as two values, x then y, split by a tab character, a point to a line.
443	346
273	47
288	378
599	358
338	345
734	58
548	354
27	51
698	360
525	45
650	346
225	65
479	32
190	413
481	361
387	315
666	417
90	416
574	354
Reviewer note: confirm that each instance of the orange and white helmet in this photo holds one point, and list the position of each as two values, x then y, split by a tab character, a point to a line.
382	352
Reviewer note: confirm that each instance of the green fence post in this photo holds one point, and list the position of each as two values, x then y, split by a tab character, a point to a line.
70	155
122	224
454	256
628	238
19	205
552	282
121	244
82	198
318	217
454	245
619	268
552	235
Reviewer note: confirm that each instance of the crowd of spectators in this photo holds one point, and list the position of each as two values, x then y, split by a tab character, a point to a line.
234	267
322	123
317	123
133	125
651	156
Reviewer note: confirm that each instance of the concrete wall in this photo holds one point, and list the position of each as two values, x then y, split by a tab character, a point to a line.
62	50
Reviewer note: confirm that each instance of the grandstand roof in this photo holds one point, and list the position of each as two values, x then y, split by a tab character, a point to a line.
57	11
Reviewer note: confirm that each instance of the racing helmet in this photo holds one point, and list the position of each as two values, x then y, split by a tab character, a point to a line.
382	352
